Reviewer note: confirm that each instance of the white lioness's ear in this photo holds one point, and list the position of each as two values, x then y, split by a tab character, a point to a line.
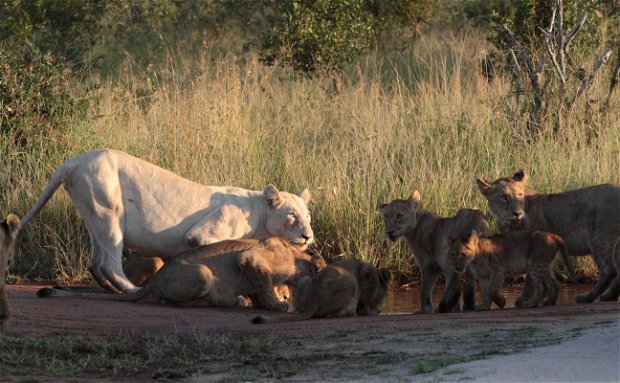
414	200
13	225
272	195
520	176
483	185
305	195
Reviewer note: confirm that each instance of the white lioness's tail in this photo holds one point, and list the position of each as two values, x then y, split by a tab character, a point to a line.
137	295
46	194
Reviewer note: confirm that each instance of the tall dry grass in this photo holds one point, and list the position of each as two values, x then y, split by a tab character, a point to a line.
425	119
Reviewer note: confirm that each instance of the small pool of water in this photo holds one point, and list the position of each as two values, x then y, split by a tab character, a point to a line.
399	302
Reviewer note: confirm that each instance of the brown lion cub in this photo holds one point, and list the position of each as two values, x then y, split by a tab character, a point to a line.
588	219
216	275
8	232
424	232
491	259
345	288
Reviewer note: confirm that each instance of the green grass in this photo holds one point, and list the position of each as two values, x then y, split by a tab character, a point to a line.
424	118
123	355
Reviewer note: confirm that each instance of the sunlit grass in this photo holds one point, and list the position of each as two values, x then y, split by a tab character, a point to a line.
424	119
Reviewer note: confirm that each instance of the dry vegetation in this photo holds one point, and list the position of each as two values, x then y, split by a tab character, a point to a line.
425	119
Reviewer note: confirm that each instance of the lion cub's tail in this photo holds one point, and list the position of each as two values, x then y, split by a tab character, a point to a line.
566	258
259	319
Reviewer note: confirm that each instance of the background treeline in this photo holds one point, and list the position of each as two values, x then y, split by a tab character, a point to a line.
359	100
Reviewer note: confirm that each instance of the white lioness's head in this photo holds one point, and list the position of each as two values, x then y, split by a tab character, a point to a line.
288	216
506	197
8	232
399	215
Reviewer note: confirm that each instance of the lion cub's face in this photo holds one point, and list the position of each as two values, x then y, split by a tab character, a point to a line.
462	251
288	216
8	232
506	197
400	215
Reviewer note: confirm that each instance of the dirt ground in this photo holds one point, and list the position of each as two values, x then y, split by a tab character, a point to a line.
394	348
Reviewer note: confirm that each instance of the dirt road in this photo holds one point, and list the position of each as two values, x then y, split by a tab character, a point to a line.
385	348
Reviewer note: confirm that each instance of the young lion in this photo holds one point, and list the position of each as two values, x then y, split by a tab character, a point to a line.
216	274
588	219
345	288
491	259
8	232
424	232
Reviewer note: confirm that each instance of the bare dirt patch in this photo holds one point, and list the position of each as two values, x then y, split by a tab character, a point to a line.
388	347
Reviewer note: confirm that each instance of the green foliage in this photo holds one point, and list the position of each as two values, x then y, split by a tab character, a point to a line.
36	96
327	35
525	18
320	35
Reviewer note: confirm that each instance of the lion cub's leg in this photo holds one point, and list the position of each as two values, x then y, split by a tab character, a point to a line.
452	295
613	292
495	286
5	309
429	277
601	250
469	291
538	290
485	288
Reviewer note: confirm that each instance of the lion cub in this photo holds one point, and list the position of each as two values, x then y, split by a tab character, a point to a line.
491	259
8	232
424	231
345	288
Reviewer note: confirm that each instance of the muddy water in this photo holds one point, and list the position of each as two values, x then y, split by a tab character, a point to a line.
409	301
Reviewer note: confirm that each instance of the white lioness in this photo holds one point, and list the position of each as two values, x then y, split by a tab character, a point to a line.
347	288
216	275
8	232
424	232
125	201
588	219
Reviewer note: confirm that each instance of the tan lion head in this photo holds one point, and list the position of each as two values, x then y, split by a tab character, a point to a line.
400	215
462	251
8	233
288	216
506	198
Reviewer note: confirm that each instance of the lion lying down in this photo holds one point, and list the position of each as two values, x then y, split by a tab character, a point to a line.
345	288
215	275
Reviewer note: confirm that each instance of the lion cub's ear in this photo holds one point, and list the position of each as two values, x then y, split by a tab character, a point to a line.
472	241
318	263
520	176
484	186
414	201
